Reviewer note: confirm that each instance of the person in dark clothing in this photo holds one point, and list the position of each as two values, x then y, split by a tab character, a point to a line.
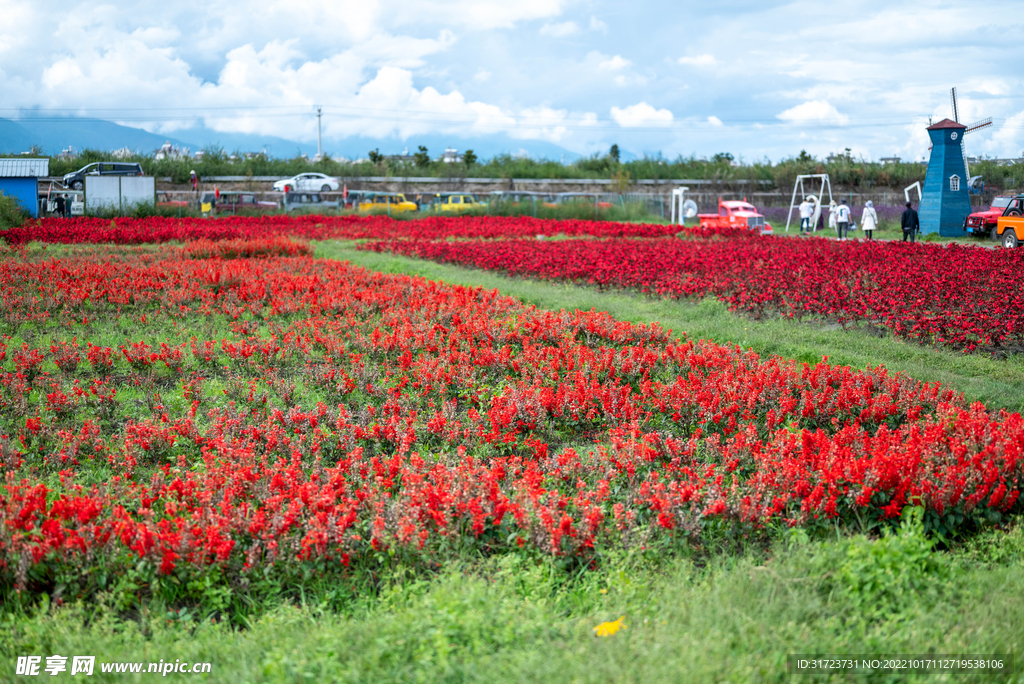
60	205
910	223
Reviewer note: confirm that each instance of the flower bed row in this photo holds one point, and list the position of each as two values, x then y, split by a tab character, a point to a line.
129	231
957	296
349	414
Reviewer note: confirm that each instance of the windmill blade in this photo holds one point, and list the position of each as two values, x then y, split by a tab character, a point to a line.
956	112
978	124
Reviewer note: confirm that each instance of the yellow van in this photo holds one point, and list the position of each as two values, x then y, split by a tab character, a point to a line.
457	203
382	202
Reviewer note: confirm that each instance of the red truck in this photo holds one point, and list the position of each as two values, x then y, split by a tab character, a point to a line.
984	222
738	215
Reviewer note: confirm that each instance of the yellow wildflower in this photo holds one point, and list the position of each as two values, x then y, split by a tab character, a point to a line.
606	629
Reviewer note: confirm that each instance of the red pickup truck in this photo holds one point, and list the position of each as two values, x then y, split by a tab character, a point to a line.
984	222
736	214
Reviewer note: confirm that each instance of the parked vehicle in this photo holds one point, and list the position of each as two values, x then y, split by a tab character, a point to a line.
233	202
353	199
984	222
517	197
455	203
306	200
76	179
591	198
386	201
1010	226
422	200
736	214
307	182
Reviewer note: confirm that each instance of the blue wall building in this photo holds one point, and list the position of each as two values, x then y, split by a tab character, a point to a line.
19	178
944	199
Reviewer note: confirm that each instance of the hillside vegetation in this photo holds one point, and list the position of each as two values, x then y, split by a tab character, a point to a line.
844	171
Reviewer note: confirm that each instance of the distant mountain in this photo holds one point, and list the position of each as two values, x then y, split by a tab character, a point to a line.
54	135
14	138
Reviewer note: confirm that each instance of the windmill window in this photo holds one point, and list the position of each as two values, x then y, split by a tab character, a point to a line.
954	183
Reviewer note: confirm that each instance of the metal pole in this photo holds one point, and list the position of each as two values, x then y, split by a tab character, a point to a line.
792	201
319	147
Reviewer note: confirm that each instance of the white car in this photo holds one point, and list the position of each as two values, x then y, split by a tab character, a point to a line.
308	182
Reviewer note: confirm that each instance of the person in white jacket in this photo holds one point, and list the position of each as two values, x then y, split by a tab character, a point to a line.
843	217
869	219
806	210
832	223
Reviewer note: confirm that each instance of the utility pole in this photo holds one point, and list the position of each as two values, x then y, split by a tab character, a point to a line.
319	146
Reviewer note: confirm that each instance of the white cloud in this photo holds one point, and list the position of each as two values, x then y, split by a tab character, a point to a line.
990	86
616	63
641	114
624	80
390	65
392	90
541	123
157	36
814	111
473	14
715	121
699	60
1008	137
566	28
402	51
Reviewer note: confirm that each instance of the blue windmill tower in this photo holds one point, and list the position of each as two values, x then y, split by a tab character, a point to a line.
944	201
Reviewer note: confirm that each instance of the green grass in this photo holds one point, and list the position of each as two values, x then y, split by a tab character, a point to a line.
997	382
509	620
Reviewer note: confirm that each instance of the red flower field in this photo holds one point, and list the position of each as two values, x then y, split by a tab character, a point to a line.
132	231
242	404
953	295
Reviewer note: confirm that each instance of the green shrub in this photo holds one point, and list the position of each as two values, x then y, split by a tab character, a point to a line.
143	210
880	577
12	214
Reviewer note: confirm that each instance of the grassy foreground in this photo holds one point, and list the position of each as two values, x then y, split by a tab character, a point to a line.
997	382
509	620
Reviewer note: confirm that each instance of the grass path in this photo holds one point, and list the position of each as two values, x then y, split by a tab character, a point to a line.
999	383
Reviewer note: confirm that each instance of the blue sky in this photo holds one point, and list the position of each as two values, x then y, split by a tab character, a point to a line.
756	79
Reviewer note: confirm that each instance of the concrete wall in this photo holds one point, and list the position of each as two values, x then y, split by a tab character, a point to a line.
137	190
118	192
25	190
102	193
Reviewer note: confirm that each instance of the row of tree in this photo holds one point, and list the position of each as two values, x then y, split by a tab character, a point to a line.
843	170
